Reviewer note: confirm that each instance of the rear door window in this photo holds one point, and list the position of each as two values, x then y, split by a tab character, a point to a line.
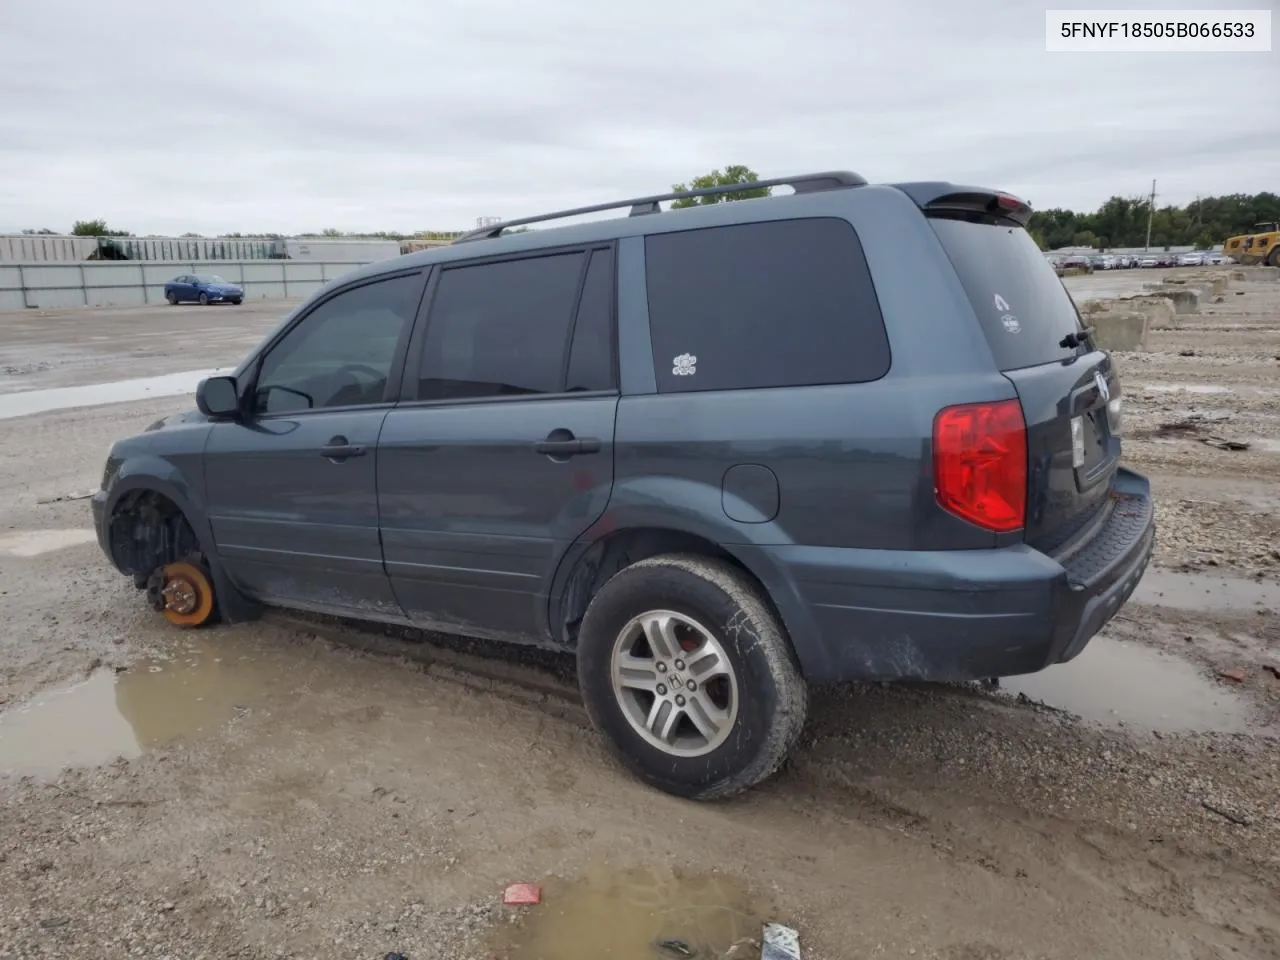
500	329
777	304
1023	308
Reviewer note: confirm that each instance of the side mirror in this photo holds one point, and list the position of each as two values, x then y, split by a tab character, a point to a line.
218	397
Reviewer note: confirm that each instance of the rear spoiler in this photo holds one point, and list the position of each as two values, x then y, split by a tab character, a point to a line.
937	196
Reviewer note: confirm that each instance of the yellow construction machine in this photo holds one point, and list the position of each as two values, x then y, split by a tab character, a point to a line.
1260	246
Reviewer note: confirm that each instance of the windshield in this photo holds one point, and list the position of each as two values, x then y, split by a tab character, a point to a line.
1024	309
210	278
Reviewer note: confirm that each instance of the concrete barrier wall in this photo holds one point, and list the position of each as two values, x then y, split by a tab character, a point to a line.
1120	331
57	286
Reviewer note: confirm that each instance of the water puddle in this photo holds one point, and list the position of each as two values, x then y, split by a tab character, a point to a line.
32	543
110	715
27	402
624	916
1114	683
1206	592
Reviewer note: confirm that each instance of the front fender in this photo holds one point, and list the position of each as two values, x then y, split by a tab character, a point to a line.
147	472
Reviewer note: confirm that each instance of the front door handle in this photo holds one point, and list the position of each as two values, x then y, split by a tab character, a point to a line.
338	449
561	443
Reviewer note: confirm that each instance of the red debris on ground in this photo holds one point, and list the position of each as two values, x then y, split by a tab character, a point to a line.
522	894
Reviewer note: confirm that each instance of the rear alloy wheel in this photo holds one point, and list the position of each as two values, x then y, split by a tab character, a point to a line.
204	299
172	298
690	677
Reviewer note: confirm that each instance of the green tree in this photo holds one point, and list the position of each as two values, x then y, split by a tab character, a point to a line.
736	173
1123	221
42	232
96	228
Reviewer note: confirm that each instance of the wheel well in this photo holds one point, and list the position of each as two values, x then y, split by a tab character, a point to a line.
149	530
620	550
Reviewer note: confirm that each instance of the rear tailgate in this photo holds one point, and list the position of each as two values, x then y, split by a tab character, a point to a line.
1069	392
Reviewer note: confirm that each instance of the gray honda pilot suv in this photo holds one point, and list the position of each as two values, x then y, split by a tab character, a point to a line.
722	453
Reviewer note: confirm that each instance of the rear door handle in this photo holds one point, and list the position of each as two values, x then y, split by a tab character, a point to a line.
562	443
339	449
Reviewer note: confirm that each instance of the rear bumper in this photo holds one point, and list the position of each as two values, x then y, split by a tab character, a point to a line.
961	615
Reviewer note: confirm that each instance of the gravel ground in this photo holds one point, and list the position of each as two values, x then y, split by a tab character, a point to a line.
296	788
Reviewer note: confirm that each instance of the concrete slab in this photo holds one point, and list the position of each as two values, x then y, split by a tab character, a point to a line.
1120	331
1184	300
1159	310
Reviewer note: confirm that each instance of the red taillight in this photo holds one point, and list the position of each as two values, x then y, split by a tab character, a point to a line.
1008	202
980	463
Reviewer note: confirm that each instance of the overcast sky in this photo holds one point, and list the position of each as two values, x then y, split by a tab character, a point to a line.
293	115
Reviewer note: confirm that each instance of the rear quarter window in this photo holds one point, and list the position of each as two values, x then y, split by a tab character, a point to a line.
783	303
1023	308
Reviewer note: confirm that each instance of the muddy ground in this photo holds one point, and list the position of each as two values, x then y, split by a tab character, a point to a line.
298	789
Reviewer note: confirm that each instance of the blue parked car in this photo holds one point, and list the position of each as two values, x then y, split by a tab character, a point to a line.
202	288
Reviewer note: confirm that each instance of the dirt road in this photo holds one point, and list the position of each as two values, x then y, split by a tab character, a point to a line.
292	788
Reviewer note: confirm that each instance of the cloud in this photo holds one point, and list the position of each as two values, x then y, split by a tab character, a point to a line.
399	114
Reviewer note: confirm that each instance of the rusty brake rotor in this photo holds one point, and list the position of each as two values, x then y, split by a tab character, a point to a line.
186	594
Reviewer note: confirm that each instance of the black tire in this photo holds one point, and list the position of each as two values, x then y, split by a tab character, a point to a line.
236	303
204	299
172	298
772	698
1273	260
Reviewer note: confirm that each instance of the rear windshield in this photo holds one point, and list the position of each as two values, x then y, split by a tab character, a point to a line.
1024	309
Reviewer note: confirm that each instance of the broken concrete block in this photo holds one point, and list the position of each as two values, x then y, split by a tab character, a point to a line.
1264	273
1120	331
1159	310
1220	284
780	943
1184	301
1239	275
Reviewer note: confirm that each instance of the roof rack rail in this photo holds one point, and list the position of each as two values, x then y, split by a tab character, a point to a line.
642	206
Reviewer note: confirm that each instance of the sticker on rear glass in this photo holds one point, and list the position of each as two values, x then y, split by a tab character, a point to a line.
685	365
1011	323
1003	305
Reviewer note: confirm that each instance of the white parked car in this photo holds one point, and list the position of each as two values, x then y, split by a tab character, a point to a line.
1191	260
